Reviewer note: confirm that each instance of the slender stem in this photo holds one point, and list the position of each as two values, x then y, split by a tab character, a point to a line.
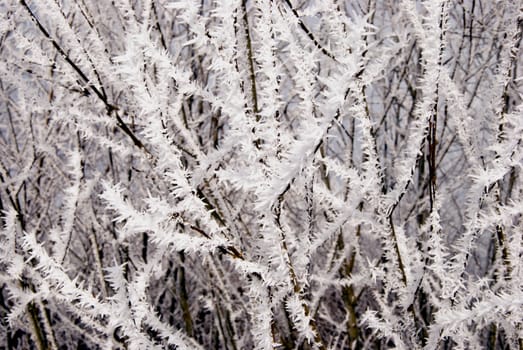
250	58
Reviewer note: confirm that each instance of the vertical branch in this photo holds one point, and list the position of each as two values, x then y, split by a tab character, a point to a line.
35	326
250	59
97	252
184	297
49	334
349	296
297	289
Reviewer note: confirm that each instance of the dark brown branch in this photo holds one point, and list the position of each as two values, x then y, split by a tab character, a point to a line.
309	33
110	107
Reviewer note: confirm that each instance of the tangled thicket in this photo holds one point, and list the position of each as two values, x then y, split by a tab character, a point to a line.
288	174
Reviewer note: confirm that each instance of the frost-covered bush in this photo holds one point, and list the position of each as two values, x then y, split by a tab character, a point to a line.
287	174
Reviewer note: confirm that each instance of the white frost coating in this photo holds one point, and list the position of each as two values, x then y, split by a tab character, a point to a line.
261	174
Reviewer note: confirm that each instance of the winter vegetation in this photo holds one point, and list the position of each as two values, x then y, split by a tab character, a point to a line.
261	174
